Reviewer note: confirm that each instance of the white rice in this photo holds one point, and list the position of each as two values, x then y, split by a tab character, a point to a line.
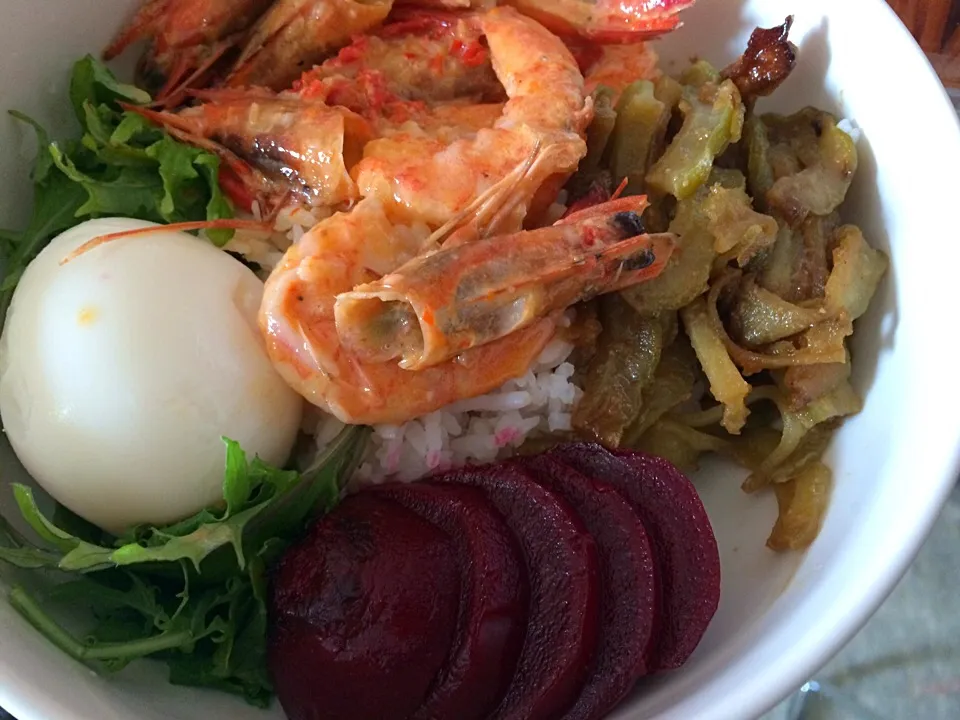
267	248
476	430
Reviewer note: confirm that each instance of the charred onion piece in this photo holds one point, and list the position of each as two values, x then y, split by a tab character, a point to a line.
768	60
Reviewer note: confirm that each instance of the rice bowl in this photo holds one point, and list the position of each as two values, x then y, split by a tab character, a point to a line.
808	603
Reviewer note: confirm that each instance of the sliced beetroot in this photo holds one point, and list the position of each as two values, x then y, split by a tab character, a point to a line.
628	583
363	612
493	598
685	548
561	564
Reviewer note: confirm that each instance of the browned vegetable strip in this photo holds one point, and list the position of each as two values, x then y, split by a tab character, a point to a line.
759	172
842	402
806	383
768	60
760	317
628	353
803	504
823	343
776	272
688	271
680	444
857	271
819	188
811	447
735	224
751	448
600	129
726	383
798	266
672	385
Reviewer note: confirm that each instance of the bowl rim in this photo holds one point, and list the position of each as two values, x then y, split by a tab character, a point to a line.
841	621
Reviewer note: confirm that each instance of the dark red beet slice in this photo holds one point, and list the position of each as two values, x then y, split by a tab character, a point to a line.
561	563
493	599
628	583
685	547
362	613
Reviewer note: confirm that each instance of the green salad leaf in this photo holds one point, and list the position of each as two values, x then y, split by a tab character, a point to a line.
121	165
192	593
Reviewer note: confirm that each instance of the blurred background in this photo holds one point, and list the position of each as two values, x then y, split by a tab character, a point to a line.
935	24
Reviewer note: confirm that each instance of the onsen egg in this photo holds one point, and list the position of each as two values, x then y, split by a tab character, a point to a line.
122	369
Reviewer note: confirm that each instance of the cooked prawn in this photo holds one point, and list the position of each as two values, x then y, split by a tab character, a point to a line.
305	140
429	57
297	320
608	21
422	179
599	20
298	312
277	145
294	35
438	305
190	37
186	37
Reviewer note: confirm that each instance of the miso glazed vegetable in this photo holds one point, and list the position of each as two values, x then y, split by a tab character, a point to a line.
766	277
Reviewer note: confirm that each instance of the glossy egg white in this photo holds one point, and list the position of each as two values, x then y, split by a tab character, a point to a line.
122	369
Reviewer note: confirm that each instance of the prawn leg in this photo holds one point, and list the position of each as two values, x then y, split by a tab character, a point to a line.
436	306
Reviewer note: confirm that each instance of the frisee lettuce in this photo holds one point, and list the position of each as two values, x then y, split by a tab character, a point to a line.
121	165
192	593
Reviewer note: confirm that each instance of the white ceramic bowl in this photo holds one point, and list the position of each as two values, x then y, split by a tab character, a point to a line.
780	616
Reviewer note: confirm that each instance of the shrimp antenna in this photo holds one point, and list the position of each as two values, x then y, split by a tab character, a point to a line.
222	224
497	200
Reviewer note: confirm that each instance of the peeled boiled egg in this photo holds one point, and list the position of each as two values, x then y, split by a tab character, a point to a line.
122	369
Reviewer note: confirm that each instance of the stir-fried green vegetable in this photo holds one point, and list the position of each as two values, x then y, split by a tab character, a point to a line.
191	593
760	317
600	130
628	353
739	231
672	385
638	135
713	118
821	186
687	272
121	165
766	278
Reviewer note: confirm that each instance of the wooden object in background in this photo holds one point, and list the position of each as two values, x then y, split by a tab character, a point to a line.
936	26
